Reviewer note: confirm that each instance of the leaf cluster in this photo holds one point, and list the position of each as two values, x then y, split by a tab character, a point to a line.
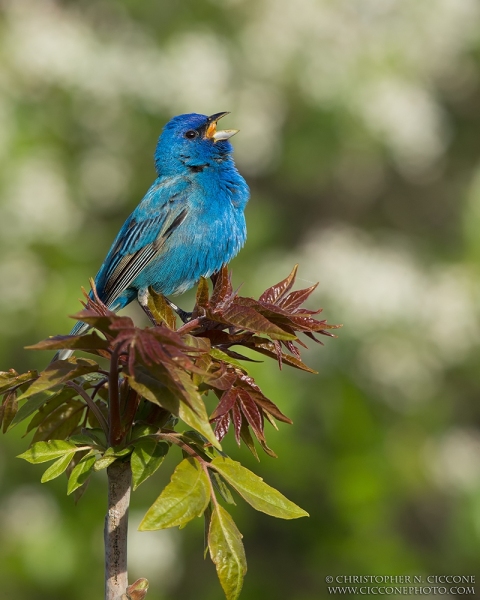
127	402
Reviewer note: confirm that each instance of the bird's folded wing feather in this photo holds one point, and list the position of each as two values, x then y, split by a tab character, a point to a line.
141	238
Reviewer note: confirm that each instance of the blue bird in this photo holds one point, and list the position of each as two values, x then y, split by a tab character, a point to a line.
189	224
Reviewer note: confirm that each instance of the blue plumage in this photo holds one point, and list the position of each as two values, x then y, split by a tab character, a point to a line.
190	222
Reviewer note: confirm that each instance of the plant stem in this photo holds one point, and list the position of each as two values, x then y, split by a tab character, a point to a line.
116	529
114	420
129	410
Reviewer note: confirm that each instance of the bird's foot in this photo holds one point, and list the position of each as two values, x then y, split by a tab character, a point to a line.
183	314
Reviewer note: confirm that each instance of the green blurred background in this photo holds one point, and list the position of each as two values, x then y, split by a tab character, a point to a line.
360	139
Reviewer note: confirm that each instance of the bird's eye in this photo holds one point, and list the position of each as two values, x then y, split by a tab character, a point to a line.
191	134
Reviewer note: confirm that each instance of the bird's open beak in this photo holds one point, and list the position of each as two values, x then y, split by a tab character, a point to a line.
222	134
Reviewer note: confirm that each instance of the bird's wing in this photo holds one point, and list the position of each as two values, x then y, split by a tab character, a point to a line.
142	237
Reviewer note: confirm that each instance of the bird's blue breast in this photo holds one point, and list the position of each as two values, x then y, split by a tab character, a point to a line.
211	234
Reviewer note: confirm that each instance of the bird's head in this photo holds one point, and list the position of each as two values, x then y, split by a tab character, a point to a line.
192	141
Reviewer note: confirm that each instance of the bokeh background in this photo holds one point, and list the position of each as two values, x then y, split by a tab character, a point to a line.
360	139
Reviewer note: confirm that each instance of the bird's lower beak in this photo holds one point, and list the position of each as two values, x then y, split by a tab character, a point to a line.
221	134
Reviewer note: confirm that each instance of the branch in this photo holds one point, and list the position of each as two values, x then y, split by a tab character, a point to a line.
115	423
116	529
91	405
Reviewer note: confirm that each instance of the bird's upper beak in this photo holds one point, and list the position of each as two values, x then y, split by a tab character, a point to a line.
212	133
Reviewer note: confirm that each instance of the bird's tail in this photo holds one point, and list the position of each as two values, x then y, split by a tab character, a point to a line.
78	329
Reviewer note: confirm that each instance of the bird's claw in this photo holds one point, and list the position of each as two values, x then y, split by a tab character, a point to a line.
183	314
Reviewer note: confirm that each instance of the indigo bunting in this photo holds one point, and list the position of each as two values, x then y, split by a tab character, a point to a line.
189	224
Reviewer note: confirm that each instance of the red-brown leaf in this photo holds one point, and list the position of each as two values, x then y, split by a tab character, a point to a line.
91	341
221	426
293	349
9	409
222	379
248	383
286	358
251	412
269	407
295	299
103	322
237	421
278	290
222	290
247	438
278	352
226	403
248	318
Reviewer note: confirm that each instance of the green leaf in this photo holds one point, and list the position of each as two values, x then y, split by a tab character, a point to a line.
110	456
163	385
102	406
184	498
58	372
257	493
9	379
196	343
207	518
219	355
81	439
78	493
96	435
119	452
10	408
203	363
200	421
143	429
104	461
58	467
195	413
161	309
61	422
202	292
157	392
45	451
147	456
221	487
89	341
198	443
153	389
45	403
92	377
81	472
227	552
